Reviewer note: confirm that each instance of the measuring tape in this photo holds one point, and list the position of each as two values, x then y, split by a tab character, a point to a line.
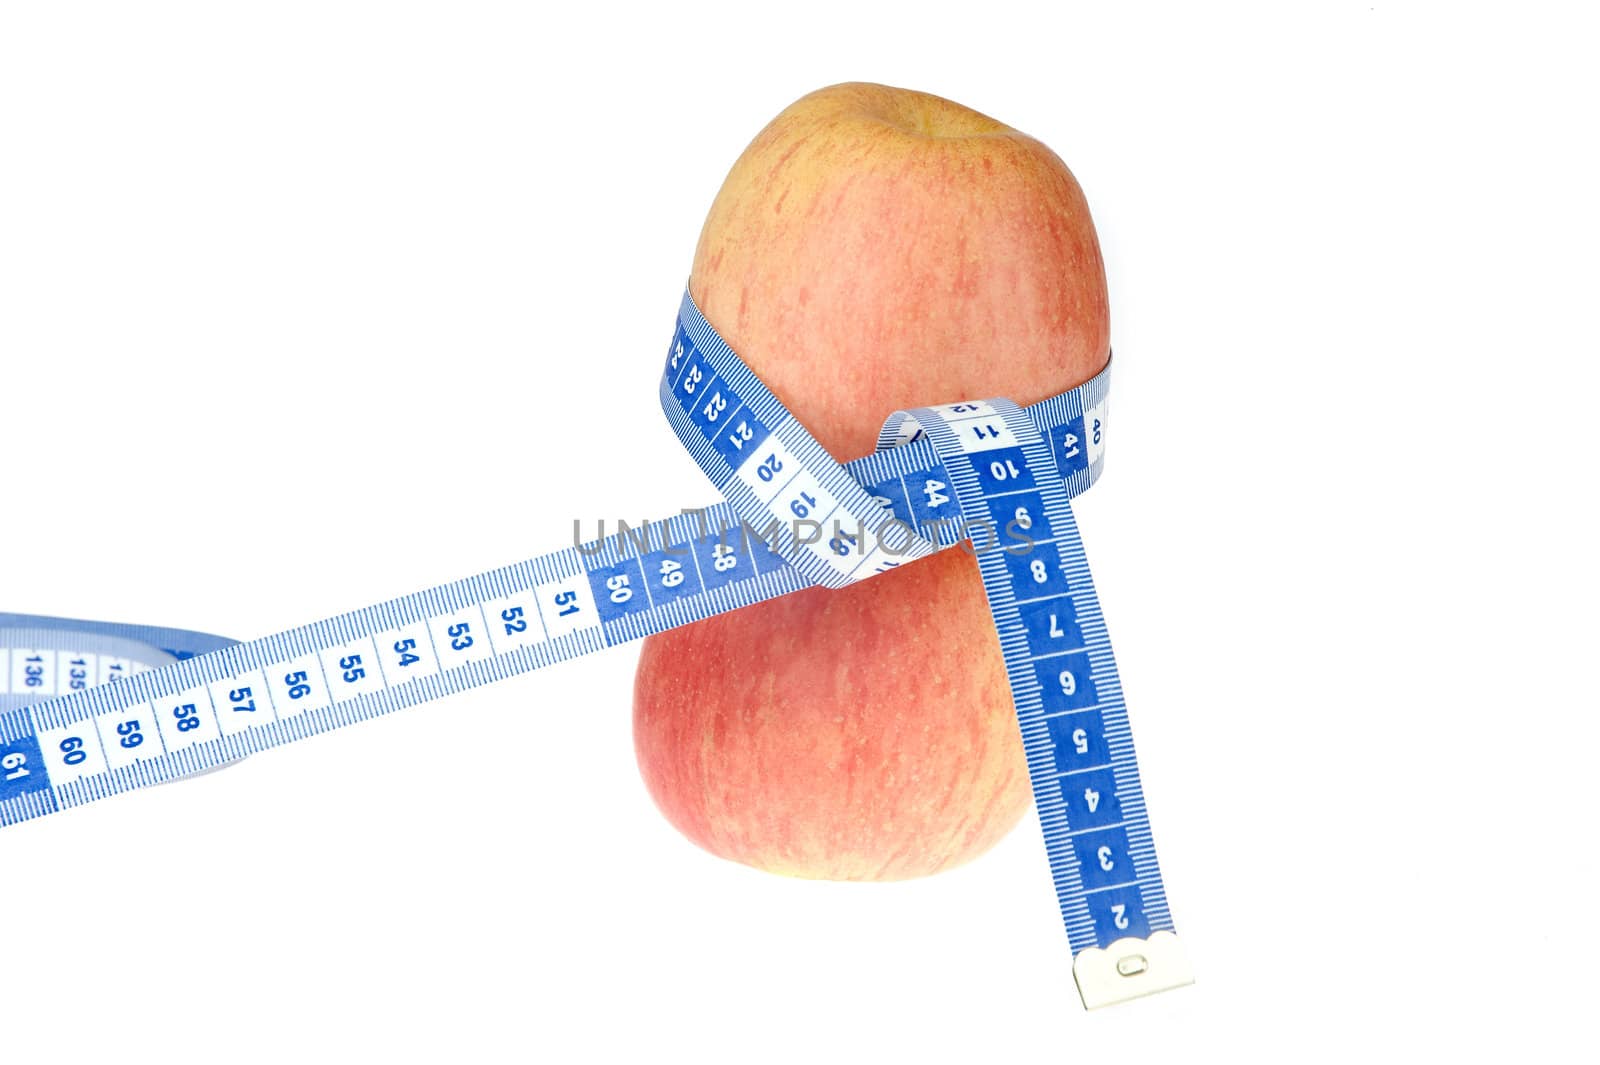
89	710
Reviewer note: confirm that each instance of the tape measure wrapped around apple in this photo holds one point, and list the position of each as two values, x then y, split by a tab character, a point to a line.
972	269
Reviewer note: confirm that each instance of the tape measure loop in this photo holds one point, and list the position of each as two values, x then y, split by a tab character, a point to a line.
835	524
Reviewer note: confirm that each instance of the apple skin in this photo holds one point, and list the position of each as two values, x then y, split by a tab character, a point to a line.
872	249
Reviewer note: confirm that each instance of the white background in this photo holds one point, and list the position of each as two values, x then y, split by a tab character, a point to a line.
303	306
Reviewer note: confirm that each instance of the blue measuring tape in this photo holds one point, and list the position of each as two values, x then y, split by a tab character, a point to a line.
89	709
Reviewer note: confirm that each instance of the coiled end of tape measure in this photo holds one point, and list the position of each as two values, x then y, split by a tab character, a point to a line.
1131	967
43	658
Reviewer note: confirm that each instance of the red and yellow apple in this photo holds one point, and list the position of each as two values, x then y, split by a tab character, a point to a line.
872	249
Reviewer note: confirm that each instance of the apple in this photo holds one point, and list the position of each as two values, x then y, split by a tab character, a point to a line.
874	248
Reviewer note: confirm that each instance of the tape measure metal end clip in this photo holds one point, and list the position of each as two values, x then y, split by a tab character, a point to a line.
1131	967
